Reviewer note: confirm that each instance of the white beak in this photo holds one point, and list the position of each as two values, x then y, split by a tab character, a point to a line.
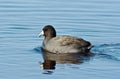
41	34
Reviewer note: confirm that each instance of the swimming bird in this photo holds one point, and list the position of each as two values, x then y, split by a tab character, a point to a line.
63	44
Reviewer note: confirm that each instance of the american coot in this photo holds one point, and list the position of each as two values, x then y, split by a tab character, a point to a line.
63	44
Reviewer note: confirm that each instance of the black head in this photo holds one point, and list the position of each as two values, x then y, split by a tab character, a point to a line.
48	31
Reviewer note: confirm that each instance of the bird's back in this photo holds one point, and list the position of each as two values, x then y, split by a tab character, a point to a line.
67	44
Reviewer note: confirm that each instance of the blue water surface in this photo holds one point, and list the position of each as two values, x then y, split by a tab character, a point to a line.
97	21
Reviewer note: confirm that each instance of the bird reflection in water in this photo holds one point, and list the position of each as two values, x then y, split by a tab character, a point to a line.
50	59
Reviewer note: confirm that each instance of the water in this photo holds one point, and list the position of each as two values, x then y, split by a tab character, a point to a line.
93	20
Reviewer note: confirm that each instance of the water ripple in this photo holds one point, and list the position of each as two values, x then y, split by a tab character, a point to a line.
109	51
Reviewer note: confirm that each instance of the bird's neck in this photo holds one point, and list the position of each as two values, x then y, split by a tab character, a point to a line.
47	39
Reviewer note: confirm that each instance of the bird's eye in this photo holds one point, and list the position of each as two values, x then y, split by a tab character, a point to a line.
45	30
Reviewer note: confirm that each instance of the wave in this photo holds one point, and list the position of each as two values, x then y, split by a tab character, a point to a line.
108	51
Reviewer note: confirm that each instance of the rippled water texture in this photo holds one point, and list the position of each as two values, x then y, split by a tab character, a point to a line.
97	21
